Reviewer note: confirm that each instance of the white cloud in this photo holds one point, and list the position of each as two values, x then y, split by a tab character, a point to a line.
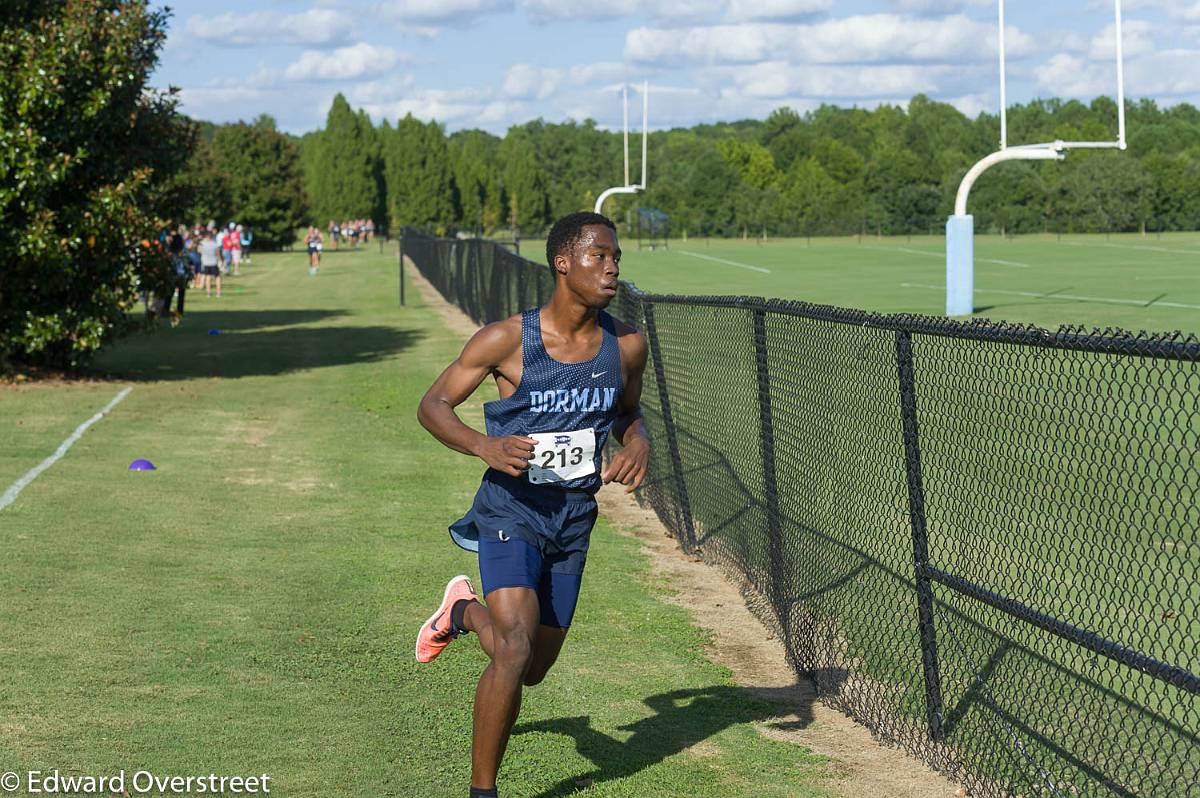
773	79
228	103
973	105
380	92
1168	72
1136	39
441	12
1070	76
1189	13
1186	10
680	9
557	10
1072	41
933	7
776	9
527	82
468	107
344	63
316	26
602	73
876	38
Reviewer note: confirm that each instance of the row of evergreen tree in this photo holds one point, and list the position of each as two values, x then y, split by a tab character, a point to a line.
834	171
831	171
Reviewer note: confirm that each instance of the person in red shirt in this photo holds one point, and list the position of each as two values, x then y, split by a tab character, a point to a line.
227	246
234	237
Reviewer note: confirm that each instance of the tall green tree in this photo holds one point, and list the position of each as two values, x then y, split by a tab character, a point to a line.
1101	192
87	153
1175	191
347	177
524	183
309	147
809	195
205	181
420	183
473	154
265	188
891	169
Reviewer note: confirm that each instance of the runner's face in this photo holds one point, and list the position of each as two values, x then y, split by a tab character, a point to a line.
595	265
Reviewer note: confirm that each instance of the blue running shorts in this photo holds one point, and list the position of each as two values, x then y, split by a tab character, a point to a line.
530	536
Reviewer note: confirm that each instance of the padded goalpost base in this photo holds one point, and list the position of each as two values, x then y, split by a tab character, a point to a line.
960	265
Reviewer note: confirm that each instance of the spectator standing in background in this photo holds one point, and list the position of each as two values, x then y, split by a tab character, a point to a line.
247	240
335	233
210	260
195	272
235	247
227	248
176	245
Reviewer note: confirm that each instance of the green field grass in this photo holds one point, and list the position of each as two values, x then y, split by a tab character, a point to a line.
1128	281
250	606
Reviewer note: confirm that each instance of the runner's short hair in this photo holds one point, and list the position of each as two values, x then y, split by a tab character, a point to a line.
565	233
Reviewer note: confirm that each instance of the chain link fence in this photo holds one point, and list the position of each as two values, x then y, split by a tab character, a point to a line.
979	540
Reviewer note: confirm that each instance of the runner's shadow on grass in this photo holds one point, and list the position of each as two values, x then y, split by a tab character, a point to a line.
252	344
681	719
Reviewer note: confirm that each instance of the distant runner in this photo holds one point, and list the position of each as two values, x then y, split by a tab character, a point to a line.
315	244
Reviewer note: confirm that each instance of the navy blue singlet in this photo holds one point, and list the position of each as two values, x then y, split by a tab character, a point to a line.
561	397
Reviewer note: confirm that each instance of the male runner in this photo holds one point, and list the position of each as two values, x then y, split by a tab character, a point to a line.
567	373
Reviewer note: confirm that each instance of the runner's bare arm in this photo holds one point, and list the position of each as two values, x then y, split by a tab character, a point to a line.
629	465
482	355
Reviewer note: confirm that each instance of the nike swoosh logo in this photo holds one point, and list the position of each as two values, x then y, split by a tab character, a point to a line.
601	374
433	623
503	537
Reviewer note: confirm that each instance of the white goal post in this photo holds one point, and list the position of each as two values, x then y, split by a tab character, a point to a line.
630	188
960	228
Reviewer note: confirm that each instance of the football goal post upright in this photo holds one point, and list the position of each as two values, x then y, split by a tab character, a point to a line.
960	228
630	188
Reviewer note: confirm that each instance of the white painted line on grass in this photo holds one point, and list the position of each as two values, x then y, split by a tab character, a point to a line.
722	260
942	256
15	489
1056	295
1134	247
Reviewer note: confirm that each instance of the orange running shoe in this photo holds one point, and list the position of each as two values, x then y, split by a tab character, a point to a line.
437	632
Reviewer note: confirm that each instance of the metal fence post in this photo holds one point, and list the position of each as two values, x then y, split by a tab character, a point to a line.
509	302
770	481
521	273
920	537
689	531
402	268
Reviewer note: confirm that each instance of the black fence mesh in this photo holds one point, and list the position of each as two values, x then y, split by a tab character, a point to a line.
981	541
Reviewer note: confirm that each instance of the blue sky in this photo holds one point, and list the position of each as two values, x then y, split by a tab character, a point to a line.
492	63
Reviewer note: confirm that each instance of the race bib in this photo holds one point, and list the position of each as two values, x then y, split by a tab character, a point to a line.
560	456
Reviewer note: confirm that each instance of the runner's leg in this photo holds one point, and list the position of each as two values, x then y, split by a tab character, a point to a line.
546	646
514	613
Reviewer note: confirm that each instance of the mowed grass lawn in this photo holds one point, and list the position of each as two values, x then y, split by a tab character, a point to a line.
1128	281
250	607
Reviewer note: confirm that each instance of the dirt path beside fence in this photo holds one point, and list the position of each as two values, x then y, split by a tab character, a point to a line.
740	642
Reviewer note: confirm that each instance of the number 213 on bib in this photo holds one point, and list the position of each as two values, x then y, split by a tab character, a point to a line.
562	456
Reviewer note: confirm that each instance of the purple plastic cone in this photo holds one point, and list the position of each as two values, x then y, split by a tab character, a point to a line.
142	465
214	331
